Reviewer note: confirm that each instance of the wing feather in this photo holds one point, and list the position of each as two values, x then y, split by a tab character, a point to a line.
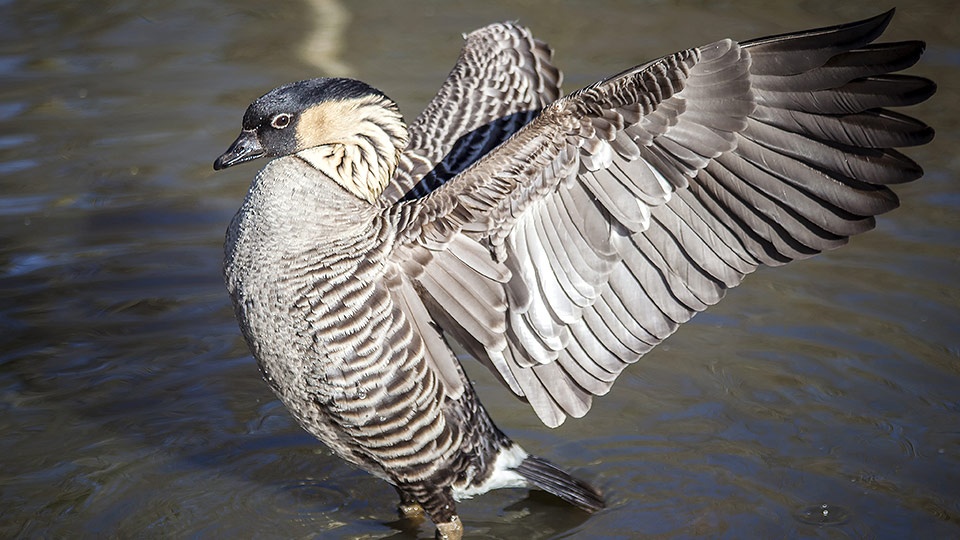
500	82
623	209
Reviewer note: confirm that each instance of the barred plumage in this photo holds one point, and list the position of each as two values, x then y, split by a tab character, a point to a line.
557	239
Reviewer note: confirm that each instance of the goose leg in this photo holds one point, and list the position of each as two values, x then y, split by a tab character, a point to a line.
442	510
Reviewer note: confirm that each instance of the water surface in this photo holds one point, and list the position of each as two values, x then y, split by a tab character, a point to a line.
130	405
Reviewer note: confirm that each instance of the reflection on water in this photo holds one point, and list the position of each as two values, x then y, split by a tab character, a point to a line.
323	44
130	404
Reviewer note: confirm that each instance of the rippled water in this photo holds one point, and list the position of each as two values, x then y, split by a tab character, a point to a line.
130	406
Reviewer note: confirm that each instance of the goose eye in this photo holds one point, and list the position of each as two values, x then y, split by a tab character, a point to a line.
280	121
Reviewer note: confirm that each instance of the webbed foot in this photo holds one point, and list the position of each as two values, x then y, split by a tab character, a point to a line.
450	530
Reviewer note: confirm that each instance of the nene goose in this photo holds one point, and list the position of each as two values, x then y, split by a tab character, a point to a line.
557	238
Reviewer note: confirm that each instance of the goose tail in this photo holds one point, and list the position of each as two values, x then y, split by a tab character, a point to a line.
554	480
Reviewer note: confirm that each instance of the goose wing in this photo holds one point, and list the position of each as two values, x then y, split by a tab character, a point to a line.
500	82
627	207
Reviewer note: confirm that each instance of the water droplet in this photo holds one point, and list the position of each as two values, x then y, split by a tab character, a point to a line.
823	514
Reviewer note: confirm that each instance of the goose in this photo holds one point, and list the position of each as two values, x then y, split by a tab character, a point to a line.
557	239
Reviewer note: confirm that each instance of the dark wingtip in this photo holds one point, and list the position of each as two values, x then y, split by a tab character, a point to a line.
553	480
856	32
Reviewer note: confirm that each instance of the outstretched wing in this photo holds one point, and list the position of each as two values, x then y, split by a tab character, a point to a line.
500	82
625	208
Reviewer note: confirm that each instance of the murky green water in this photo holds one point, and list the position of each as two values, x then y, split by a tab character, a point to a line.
130	407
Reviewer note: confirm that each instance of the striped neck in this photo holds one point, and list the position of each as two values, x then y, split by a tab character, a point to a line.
355	142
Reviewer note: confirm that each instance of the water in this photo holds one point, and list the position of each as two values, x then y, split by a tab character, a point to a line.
130	406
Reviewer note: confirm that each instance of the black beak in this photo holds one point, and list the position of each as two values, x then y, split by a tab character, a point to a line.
247	147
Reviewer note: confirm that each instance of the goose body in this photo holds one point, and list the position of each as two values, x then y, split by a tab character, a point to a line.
557	238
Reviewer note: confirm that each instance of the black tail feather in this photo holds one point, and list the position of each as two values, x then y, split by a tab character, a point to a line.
553	480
